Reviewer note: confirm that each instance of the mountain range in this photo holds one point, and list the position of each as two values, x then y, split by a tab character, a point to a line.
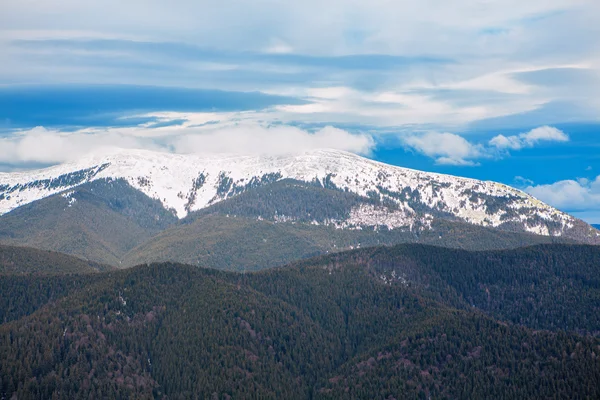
252	212
351	300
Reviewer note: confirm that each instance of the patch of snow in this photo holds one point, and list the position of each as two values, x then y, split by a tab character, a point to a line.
122	300
371	215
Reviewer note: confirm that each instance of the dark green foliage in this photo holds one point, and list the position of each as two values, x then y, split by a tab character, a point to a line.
224	185
493	203
543	287
24	260
413	199
328	183
227	188
23	295
300	201
469	357
325	328
196	185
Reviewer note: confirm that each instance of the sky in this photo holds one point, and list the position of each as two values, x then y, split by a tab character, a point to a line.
501	90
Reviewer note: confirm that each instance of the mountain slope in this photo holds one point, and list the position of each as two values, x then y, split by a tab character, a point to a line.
99	221
250	231
239	243
24	260
405	198
324	328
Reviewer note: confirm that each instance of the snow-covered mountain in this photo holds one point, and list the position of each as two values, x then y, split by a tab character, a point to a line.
405	197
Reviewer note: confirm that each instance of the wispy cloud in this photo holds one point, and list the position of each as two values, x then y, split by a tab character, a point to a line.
401	27
271	130
403	64
114	105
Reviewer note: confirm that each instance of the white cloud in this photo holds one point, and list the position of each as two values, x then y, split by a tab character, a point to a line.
544	133
40	145
570	195
445	148
529	139
460	162
451	149
258	139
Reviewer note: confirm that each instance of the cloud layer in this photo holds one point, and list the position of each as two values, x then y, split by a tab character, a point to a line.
49	146
339	26
572	195
243	132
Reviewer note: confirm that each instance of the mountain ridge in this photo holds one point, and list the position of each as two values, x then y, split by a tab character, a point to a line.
407	198
110	222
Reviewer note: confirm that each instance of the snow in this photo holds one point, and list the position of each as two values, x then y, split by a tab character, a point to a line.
371	215
170	179
69	196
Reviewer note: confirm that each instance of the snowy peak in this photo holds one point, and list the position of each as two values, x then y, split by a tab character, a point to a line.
185	183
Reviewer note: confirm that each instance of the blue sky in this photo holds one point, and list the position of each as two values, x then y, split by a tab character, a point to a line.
503	90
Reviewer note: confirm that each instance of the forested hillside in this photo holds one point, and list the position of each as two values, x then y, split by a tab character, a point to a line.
26	260
401	322
542	287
